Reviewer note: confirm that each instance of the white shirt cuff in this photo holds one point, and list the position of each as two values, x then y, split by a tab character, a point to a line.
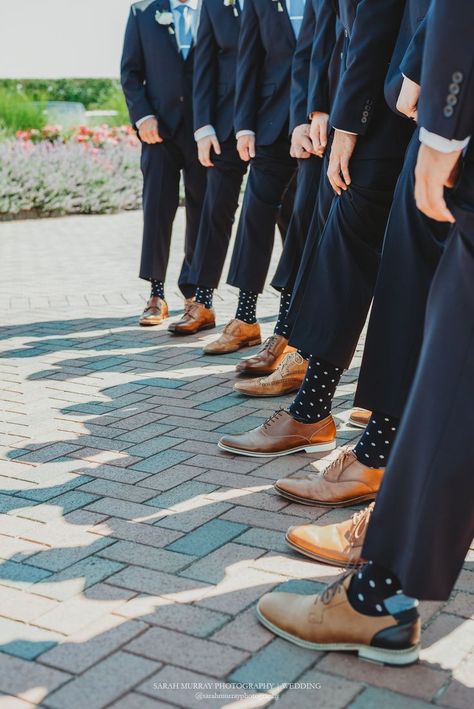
442	145
241	133
204	132
349	132
142	120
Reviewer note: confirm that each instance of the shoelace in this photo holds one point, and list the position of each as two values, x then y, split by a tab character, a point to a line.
359	520
334	587
340	460
269	342
273	418
291	358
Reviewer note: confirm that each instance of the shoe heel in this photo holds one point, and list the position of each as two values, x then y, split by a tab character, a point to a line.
321	447
254	343
397	658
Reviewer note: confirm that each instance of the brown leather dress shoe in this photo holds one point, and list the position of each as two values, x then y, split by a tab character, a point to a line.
155	312
344	482
236	334
359	417
196	317
266	360
281	435
287	378
327	621
334	544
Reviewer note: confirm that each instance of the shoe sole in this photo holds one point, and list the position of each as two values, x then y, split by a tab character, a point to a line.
320	448
322	503
252	343
252	373
191	332
265	396
356	424
322	559
151	324
380	656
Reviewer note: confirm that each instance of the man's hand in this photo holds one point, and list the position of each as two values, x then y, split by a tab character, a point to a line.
149	132
408	99
205	145
246	147
319	132
435	171
341	152
301	145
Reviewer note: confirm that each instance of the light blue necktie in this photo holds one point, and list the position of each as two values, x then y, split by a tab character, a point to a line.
296	10
185	29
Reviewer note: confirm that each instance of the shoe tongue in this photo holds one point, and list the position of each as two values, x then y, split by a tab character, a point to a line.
336	469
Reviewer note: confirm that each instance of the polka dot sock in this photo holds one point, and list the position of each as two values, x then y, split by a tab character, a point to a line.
247	307
314	399
370	587
157	289
282	327
375	444
204	296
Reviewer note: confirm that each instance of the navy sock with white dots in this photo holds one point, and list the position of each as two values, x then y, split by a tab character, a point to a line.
204	296
282	326
314	400
370	587
247	307
375	444
157	289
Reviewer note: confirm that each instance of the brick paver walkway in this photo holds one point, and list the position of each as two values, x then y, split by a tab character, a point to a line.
132	550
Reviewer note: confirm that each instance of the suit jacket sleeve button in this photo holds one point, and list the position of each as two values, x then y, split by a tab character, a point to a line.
458	77
454	89
181	98
451	100
448	111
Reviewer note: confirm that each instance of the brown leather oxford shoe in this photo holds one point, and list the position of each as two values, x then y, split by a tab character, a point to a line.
327	621
344	482
281	434
359	417
284	380
236	334
155	312
196	317
267	359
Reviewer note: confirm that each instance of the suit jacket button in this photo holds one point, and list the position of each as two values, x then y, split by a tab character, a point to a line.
458	77
451	100
448	111
181	98
454	89
364	119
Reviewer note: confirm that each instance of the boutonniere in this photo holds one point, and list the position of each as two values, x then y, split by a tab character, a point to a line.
233	5
165	19
279	6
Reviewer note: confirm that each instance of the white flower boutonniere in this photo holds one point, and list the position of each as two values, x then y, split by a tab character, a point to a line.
165	19
280	7
232	4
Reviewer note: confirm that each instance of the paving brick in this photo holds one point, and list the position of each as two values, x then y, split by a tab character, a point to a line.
148	556
237	592
210	536
172	587
276	663
195	654
60	558
229	559
132	531
25	641
121	491
264	539
161	461
76	578
372	698
244	632
29	681
168	479
181	493
459	692
317	689
20	576
205	511
154	445
132	511
103	683
58	506
462	604
447	640
21	606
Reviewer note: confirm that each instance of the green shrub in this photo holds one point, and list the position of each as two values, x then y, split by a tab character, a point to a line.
19	112
92	93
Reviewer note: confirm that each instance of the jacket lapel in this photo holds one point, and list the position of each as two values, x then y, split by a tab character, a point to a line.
170	31
277	4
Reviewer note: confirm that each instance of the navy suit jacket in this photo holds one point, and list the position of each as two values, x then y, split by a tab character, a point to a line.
266	46
156	80
408	53
310	73
371	28
215	62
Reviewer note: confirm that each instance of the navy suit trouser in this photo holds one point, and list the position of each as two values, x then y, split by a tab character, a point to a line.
224	182
268	201
162	165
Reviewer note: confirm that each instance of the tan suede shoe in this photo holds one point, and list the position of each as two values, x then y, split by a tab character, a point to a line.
359	417
196	317
236	334
334	544
344	482
327	621
155	312
267	359
287	378
281	435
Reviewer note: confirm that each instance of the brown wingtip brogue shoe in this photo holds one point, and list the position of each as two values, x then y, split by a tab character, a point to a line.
334	544
155	312
327	621
236	334
196	317
344	482
359	417
267	359
281	435
284	380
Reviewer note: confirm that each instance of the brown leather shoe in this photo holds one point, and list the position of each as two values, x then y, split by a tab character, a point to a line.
287	378
196	317
236	334
155	312
327	621
267	359
359	417
334	544
344	482
281	435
